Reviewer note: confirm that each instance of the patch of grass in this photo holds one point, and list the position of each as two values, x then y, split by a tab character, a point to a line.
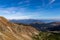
47	36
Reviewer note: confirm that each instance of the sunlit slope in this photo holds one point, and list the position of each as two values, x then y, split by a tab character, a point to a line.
11	31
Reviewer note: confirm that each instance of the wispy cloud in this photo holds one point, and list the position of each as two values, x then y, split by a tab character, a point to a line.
49	4
16	13
51	1
11	10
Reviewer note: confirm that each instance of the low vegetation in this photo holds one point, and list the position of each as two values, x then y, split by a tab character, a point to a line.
47	36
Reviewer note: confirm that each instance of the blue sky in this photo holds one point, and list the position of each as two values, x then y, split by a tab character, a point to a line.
30	9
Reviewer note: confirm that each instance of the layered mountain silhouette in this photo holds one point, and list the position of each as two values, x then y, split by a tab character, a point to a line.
12	31
53	26
41	25
29	21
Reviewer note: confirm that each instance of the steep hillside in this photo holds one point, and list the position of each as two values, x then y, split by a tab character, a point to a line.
11	31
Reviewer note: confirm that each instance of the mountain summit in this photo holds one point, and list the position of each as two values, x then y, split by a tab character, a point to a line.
12	31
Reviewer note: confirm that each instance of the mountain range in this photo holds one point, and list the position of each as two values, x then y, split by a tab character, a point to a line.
41	25
29	21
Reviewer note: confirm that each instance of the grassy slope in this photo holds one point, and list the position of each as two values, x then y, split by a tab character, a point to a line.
47	36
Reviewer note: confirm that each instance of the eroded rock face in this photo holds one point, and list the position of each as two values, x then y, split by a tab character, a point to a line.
11	31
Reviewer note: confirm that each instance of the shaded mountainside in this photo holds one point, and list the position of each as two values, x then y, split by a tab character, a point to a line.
11	31
53	26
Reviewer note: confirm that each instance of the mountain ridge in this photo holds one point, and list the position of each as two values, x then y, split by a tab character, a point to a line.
29	21
12	31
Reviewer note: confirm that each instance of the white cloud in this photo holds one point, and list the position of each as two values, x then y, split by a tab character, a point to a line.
17	13
20	17
51	1
14	13
12	10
